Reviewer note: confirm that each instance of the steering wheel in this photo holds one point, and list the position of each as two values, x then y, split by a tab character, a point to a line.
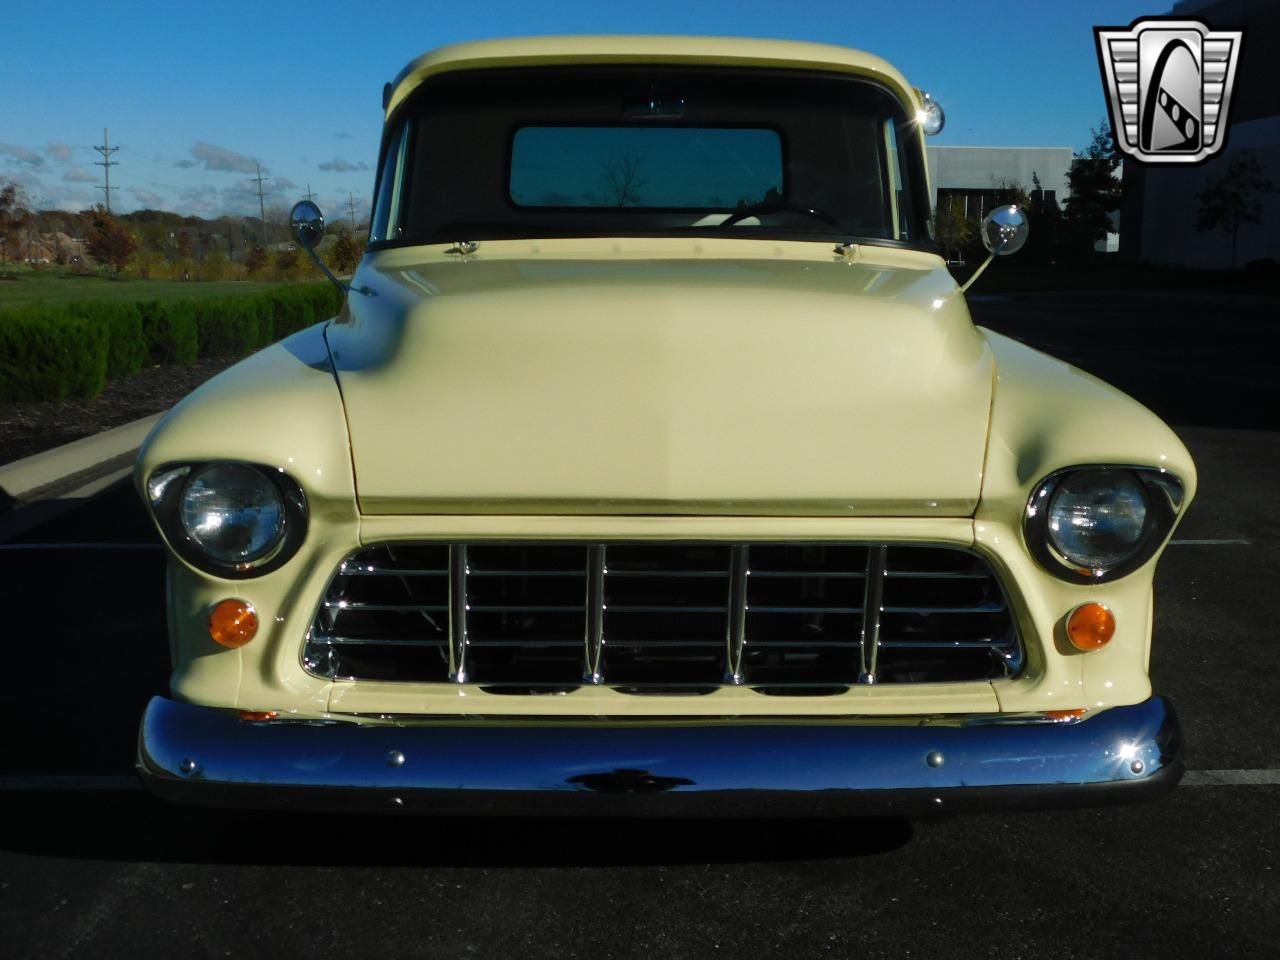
778	206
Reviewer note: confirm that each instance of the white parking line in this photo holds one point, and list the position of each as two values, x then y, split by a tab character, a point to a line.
80	546
68	782
1234	542
60	782
1230	778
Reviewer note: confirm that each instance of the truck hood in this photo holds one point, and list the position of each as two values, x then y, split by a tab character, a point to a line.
518	382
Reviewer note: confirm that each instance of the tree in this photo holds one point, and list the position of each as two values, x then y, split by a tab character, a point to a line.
621	180
1095	190
255	260
109	242
14	214
182	254
951	227
346	253
287	264
1233	199
1046	218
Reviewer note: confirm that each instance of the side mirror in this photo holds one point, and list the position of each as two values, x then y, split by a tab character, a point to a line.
1004	230
306	223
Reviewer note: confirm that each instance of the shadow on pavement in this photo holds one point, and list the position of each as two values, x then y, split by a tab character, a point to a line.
133	826
1195	360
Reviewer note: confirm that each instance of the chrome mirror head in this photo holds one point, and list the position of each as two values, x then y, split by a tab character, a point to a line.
931	117
306	223
1005	230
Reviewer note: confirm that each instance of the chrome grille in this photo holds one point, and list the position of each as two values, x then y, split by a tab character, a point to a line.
780	618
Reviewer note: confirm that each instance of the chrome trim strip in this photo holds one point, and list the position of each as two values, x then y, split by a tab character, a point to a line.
872	608
597	569
458	612
685	767
736	631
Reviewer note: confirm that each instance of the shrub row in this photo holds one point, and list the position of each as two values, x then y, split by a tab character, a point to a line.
53	353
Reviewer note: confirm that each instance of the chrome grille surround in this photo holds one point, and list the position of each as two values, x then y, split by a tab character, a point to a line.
780	618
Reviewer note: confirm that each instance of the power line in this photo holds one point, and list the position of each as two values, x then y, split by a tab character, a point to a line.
106	163
262	207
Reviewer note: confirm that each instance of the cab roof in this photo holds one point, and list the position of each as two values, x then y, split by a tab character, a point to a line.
622	48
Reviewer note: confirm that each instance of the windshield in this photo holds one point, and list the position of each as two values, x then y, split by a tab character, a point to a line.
631	151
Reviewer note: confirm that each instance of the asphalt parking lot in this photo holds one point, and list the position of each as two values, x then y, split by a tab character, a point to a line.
91	867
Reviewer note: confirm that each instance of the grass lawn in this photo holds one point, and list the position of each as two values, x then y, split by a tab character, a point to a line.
28	287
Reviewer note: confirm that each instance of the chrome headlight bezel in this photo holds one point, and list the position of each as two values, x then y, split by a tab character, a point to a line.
1164	496
166	487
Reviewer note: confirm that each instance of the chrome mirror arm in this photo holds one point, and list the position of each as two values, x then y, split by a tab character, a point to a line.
306	223
1004	232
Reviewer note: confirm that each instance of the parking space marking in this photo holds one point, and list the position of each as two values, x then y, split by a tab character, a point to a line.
80	546
1231	542
67	782
1230	778
71	782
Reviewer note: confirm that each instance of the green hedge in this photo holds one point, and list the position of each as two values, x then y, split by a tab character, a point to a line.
52	353
169	332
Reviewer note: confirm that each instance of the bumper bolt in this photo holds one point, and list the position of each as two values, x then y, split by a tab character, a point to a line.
935	758
395	758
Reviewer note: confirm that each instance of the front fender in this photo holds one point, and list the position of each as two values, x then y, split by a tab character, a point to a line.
280	407
1047	415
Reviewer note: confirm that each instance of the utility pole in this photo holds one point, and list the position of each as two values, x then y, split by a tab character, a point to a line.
351	209
106	163
262	207
310	195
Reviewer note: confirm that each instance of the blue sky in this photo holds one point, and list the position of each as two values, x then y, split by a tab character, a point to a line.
195	93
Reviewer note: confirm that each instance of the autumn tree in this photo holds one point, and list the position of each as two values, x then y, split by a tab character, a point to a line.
346	253
110	242
254	260
287	264
1233	199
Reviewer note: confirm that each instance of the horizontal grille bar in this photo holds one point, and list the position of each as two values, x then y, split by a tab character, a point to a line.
662	617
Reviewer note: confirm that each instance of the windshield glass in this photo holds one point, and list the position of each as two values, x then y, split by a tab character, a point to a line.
491	154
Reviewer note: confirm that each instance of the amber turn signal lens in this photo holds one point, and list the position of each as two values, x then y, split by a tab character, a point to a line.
257	716
1090	626
233	623
1064	715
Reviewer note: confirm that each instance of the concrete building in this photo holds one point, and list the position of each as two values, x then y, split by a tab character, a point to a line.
1161	203
977	173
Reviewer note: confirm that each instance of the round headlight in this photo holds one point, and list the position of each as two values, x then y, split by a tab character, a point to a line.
232	512
1097	518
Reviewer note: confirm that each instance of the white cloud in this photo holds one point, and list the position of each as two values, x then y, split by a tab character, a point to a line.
338	165
59	151
148	198
21	154
220	158
78	175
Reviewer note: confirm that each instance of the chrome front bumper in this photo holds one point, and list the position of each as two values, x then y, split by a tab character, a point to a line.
798	767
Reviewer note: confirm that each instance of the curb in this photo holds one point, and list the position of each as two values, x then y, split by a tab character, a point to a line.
53	473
